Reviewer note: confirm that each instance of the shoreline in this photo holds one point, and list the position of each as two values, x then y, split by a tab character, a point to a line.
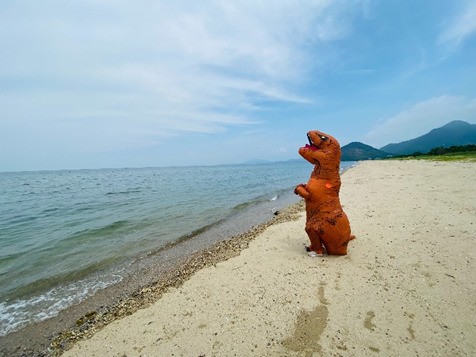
179	261
116	220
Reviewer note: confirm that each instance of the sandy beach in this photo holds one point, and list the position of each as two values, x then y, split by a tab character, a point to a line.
406	288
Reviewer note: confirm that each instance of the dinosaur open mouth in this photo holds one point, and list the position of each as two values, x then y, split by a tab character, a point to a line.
311	145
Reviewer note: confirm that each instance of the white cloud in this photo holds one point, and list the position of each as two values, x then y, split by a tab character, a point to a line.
460	28
166	66
420	118
83	77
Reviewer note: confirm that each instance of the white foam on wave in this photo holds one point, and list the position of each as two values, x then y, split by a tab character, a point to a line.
19	313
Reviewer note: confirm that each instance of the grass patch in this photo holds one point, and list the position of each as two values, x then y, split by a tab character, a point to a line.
454	156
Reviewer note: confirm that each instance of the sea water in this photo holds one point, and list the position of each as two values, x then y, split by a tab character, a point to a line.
64	235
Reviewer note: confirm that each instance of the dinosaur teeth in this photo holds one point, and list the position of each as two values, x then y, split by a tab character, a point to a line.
310	140
311	143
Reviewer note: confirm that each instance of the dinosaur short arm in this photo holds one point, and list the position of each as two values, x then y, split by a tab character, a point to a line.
302	191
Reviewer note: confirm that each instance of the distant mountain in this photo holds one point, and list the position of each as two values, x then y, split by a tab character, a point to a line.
455	133
256	162
356	151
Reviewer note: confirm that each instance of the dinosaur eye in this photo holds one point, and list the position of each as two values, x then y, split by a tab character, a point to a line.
324	138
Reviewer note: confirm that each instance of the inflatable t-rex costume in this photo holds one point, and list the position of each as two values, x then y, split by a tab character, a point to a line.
327	224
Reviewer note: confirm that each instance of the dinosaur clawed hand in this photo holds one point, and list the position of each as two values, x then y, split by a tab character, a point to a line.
303	185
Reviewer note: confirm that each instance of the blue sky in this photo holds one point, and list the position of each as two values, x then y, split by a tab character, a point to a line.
113	83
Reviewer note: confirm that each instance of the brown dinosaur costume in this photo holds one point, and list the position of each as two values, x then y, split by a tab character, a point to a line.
327	224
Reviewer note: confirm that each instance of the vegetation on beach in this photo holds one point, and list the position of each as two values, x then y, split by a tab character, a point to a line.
452	153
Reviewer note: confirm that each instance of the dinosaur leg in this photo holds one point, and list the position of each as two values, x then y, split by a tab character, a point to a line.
337	234
313	231
338	248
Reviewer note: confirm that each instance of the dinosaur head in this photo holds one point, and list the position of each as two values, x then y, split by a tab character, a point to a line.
320	143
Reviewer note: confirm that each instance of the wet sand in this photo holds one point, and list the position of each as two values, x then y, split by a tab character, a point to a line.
406	288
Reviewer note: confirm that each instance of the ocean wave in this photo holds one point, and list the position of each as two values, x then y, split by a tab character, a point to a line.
19	313
108	229
136	190
253	202
195	233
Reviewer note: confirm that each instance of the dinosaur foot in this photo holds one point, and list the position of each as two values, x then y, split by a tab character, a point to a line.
313	254
309	250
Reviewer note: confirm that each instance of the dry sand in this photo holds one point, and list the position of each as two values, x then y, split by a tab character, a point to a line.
407	287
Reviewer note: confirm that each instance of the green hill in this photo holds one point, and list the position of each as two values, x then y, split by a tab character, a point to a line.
356	151
455	133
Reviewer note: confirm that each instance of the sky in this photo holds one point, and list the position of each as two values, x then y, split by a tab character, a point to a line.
114	83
